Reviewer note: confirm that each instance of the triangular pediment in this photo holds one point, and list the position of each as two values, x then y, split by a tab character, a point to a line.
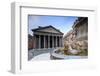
49	30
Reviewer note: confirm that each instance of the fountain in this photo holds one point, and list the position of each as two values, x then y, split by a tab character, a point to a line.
75	50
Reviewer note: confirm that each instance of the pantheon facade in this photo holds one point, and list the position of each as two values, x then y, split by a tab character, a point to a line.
47	37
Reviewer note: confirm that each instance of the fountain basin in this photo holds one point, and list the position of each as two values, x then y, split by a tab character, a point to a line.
55	56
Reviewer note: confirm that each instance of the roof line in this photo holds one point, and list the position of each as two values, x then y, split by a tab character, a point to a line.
45	27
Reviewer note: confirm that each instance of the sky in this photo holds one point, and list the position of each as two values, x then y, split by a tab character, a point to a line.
63	23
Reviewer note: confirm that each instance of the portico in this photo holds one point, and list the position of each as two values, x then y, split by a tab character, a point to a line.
47	37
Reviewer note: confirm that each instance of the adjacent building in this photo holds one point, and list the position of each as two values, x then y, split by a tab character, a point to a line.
47	37
30	42
81	28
